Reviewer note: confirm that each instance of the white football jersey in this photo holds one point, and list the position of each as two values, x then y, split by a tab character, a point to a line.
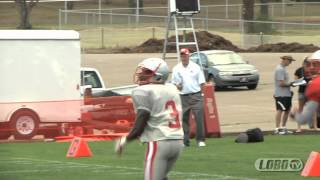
164	104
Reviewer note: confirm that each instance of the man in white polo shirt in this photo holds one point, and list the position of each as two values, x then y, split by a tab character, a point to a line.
189	79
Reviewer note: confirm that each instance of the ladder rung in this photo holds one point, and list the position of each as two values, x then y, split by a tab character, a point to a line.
185	29
188	43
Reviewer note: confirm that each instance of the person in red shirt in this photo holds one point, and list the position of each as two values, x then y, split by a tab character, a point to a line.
312	92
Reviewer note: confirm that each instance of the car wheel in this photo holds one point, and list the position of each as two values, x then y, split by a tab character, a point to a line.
212	81
24	124
252	86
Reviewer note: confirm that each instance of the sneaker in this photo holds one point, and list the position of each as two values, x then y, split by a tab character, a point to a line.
201	144
286	131
276	131
281	131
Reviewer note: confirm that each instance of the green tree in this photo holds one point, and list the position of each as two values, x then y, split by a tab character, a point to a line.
107	2
70	5
264	16
24	9
248	15
133	4
264	9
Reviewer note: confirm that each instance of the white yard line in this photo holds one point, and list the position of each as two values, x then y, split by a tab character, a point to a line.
119	169
23	171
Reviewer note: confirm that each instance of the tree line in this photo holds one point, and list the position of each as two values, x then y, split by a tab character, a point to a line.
25	7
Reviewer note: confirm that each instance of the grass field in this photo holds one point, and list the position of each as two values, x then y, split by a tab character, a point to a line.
221	159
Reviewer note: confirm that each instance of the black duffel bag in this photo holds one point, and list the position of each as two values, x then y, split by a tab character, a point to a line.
250	136
255	135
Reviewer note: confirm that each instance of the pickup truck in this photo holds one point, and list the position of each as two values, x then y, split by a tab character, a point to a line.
104	108
91	78
109	108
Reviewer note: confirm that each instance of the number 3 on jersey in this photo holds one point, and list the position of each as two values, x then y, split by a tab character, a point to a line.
174	114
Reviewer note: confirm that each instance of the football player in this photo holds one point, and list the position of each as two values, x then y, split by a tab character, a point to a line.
158	119
312	92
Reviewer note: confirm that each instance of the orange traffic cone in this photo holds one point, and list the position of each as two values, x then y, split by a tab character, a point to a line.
312	166
79	148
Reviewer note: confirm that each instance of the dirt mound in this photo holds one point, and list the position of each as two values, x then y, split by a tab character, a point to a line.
208	41
283	47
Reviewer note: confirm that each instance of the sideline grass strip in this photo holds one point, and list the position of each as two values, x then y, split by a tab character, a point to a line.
221	159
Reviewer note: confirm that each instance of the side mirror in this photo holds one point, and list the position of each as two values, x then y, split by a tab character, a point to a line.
87	94
206	63
86	90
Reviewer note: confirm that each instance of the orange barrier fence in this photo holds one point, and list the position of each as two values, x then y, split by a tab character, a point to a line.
211	117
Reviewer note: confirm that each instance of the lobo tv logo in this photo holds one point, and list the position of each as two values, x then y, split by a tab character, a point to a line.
278	164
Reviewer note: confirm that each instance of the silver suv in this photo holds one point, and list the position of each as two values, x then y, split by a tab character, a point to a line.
226	69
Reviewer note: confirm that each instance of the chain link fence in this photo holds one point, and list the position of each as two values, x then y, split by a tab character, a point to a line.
287	22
